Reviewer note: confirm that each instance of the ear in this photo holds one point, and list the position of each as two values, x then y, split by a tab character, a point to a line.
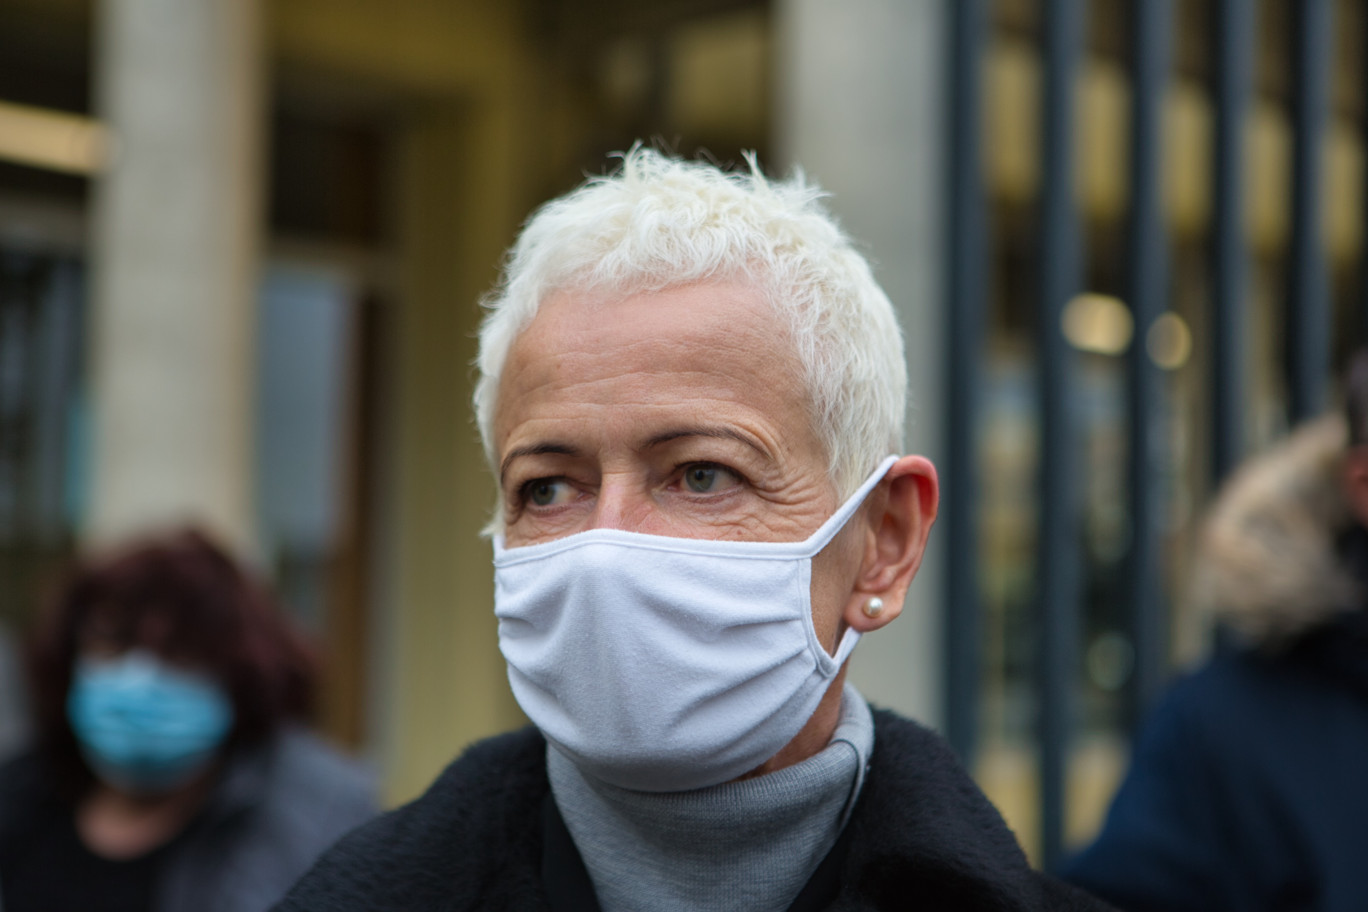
1355	482
899	514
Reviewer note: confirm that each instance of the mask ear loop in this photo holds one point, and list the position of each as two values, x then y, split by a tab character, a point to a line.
827	663
827	530
846	646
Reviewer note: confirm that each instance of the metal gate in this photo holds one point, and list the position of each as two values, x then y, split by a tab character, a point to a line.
1238	35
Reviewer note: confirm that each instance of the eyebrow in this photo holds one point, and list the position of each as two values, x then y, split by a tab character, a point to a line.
722	433
535	449
555	448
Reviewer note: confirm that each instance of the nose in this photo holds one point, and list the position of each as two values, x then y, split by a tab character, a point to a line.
622	504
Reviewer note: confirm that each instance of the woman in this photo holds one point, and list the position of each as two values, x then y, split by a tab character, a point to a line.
690	387
167	774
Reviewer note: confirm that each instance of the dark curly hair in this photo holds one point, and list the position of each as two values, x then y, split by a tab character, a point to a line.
183	597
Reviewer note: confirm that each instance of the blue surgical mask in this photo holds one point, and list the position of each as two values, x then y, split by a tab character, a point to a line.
144	725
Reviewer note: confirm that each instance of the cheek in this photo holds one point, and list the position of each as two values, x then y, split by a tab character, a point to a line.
834	572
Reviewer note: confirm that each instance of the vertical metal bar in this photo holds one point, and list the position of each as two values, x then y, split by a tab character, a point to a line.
1058	574
55	371
1233	37
1361	339
1308	302
967	291
1147	258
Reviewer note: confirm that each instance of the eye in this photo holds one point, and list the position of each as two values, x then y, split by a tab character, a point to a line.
708	478
547	492
102	635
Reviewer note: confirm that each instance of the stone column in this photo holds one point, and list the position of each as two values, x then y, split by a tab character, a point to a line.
176	230
860	91
442	680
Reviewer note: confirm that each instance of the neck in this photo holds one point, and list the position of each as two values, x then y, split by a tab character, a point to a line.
747	844
813	737
121	825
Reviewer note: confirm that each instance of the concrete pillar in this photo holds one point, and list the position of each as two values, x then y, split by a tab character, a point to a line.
176	230
442	682
860	91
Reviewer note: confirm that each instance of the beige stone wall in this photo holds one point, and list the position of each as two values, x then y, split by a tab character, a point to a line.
455	78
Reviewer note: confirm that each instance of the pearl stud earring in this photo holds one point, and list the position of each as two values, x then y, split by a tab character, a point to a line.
874	607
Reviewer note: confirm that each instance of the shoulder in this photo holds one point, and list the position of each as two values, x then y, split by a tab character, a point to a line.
487	778
914	768
26	783
1223	775
918	787
902	738
477	824
20	772
15	724
305	768
293	792
30	799
276	807
1233	704
922	827
1179	779
24	786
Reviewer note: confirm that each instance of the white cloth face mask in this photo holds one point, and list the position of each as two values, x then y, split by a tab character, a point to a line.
666	664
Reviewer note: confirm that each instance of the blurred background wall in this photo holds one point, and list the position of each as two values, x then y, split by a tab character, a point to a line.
242	244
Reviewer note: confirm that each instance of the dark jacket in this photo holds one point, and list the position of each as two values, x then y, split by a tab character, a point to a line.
274	810
921	836
1247	790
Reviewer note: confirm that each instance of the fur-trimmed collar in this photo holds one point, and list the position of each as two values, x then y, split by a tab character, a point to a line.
1268	564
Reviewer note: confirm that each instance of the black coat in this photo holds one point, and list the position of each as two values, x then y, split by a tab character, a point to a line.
922	835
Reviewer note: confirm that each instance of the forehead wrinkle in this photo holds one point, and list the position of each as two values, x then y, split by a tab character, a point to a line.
749	317
574	353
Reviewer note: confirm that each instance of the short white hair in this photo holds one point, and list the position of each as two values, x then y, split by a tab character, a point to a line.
658	222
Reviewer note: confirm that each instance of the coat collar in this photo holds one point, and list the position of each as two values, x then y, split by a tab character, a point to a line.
1272	562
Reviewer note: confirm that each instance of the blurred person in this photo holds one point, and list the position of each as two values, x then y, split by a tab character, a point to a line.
13	708
168	771
1247	790
690	386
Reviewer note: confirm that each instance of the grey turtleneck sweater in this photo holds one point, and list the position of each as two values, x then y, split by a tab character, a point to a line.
750	844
